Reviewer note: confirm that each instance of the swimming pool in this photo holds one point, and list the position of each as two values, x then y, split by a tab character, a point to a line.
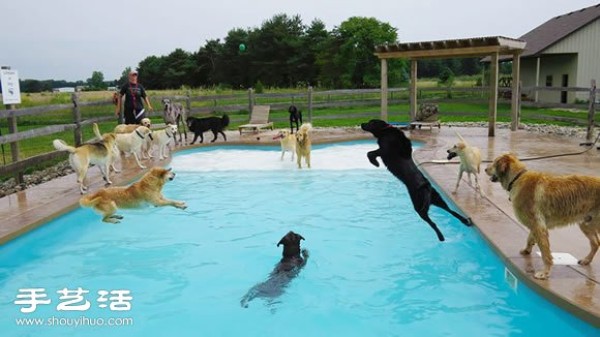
375	267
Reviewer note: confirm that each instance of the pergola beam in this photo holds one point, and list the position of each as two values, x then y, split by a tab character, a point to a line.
473	47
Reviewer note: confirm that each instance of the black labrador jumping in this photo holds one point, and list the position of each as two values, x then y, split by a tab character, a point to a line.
288	267
396	152
295	117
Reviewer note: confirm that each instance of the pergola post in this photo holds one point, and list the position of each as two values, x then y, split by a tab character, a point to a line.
413	89
537	78
493	102
516	92
384	90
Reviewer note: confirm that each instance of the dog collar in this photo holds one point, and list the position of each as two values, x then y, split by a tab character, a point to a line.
150	136
167	133
510	185
139	134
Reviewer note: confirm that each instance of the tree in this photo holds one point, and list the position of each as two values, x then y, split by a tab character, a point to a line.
350	53
124	79
96	82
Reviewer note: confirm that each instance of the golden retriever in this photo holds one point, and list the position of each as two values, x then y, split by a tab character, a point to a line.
470	161
100	152
287	141
303	144
148	190
542	201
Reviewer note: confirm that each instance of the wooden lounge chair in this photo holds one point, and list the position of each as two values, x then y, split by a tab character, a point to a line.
259	119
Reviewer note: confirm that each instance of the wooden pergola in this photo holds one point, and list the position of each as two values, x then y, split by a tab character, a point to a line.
472	47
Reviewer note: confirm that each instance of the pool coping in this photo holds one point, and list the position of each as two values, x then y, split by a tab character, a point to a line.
23	216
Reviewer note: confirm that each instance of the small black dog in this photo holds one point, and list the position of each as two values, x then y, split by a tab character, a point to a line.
284	271
396	152
200	125
295	117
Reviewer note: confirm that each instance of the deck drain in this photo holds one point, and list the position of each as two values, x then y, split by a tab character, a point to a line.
562	259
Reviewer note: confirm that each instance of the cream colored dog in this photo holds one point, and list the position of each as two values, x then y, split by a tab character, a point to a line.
162	138
129	128
470	161
303	144
132	143
287	141
543	201
147	190
100	152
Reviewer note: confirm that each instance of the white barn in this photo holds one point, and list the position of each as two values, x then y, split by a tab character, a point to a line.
563	52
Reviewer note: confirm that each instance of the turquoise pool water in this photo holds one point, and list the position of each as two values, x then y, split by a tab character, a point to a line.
375	268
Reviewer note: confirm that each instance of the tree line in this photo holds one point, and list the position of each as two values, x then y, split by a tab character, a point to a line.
283	52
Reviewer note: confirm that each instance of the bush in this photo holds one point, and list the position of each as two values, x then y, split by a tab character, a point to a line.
259	88
446	77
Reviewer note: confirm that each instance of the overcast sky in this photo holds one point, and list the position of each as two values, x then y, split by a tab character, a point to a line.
68	39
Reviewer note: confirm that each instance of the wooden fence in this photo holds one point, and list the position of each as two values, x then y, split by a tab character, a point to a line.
307	99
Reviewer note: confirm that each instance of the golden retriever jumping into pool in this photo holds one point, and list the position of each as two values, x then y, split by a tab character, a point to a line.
147	190
542	201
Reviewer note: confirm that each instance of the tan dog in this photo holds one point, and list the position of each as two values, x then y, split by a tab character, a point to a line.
287	141
162	138
147	190
543	201
470	161
303	144
100	152
129	128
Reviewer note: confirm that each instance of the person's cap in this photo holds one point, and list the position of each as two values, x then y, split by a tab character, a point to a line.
133	72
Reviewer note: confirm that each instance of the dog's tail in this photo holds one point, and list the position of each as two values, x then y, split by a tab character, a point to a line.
305	128
60	145
460	137
225	120
89	200
96	130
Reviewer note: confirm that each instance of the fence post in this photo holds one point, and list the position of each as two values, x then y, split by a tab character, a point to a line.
591	111
14	146
77	135
250	101
310	103
188	104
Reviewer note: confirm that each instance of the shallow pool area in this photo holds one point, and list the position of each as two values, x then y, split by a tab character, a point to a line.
375	267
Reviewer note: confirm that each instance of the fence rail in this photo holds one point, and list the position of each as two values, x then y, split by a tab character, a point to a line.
308	99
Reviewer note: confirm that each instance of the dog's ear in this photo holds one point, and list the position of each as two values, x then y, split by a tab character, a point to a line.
503	165
281	242
299	237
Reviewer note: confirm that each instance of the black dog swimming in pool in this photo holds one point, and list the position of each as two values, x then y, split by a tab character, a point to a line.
395	149
284	272
295	117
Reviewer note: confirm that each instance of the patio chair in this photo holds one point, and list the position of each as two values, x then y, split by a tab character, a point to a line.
259	119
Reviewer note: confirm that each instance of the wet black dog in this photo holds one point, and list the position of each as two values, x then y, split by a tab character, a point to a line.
295	117
396	152
283	273
200	125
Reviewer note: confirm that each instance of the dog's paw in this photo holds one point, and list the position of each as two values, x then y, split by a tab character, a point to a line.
142	166
541	275
584	262
305	253
525	251
181	205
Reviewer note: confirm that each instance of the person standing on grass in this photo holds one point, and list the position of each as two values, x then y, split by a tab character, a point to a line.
135	96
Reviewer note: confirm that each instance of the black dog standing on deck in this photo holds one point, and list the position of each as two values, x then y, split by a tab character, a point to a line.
396	152
295	117
200	125
284	271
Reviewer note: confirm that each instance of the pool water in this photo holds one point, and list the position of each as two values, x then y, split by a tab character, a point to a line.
375	268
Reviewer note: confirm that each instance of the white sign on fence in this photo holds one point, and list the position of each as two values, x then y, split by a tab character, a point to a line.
11	91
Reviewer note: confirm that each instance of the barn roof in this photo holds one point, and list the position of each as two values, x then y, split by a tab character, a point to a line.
557	28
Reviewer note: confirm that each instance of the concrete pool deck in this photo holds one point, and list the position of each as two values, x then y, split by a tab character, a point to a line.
572	287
